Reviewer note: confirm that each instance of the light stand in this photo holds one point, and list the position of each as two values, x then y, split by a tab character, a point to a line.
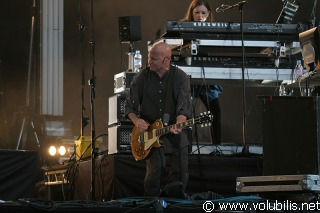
26	114
222	8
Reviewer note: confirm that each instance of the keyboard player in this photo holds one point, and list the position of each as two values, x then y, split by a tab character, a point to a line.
200	11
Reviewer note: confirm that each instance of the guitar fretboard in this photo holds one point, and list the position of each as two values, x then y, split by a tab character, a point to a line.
182	125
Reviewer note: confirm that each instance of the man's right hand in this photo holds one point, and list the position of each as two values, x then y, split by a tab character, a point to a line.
142	125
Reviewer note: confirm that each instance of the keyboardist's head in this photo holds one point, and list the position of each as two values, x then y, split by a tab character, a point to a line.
199	10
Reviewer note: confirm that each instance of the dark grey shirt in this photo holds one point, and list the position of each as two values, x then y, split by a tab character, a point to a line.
148	93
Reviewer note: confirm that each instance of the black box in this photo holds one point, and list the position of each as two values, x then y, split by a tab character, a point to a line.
129	29
119	139
290	127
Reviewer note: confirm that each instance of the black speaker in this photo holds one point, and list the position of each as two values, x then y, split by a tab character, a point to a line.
290	127
129	29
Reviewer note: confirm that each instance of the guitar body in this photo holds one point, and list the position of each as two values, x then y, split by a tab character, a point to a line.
142	142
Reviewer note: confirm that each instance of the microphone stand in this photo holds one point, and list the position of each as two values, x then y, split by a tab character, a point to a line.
245	148
93	134
222	8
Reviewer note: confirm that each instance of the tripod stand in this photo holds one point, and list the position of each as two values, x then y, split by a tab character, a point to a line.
27	120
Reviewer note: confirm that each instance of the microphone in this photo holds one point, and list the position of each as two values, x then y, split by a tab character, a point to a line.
219	9
224	7
242	2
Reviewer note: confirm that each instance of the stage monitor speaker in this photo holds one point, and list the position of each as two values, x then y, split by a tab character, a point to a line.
129	29
290	127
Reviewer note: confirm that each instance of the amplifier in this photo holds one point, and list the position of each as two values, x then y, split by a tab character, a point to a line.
117	109
122	81
119	137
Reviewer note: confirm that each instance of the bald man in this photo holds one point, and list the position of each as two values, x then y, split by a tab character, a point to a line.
147	103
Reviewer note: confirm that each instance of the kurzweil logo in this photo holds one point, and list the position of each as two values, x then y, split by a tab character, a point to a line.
214	24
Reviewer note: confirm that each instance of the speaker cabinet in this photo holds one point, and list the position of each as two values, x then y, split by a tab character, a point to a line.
119	139
290	127
129	29
117	110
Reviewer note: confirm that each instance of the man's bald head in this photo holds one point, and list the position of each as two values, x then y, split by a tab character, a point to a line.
163	49
159	59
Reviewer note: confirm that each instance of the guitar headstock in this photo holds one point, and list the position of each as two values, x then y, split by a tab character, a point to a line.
205	119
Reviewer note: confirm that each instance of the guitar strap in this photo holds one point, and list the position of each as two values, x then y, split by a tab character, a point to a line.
169	107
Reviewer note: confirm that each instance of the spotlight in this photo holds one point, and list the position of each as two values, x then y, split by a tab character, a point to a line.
52	150
62	150
55	150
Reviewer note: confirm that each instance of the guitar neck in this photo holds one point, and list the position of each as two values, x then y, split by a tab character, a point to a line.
182	125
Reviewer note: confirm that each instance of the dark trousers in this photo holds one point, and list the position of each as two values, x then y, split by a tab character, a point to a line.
156	176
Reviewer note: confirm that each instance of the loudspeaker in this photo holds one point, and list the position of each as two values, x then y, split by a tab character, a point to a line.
129	29
119	139
117	110
290	127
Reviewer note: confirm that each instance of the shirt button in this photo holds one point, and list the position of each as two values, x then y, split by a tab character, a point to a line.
160	110
160	100
159	91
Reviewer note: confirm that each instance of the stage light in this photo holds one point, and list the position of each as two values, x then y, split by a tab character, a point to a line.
62	150
310	46
52	150
57	150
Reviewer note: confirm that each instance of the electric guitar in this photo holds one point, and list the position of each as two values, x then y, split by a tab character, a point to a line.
142	142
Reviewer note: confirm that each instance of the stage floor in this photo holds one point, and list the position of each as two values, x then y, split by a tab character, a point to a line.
120	176
147	204
119	188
